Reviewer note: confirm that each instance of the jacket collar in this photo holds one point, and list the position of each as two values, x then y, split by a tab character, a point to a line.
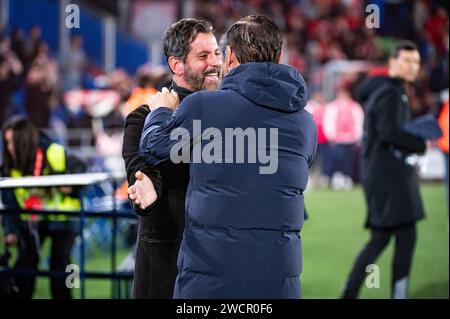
182	92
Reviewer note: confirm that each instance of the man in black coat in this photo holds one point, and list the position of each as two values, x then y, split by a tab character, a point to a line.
194	59
389	179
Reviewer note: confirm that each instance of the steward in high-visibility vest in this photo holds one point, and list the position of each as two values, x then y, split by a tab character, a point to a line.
28	152
37	198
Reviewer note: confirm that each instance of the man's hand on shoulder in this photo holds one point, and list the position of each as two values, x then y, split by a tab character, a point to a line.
165	98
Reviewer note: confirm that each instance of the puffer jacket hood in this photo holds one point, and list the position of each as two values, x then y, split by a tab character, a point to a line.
275	86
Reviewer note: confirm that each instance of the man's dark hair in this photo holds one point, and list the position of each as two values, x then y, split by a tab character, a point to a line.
144	80
180	35
403	45
255	38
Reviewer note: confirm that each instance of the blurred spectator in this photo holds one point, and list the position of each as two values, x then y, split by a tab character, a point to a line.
316	106
73	63
141	94
77	115
368	48
18	45
437	27
420	15
292	53
120	81
40	87
31	43
10	72
343	123
437	70
443	141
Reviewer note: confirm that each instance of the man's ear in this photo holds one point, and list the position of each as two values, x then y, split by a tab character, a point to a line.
176	66
392	66
230	60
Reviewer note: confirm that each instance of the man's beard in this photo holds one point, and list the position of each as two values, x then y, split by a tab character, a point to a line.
197	80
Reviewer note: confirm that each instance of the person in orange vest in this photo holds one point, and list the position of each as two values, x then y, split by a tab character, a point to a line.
443	141
140	94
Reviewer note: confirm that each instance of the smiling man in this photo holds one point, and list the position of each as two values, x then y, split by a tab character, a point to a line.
193	55
194	59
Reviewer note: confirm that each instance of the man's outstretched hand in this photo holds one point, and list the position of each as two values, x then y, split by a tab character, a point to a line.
142	193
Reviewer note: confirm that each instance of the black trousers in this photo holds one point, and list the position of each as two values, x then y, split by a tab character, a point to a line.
28	257
158	244
405	239
155	269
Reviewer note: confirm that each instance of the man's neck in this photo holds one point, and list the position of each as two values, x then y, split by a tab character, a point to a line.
181	91
394	76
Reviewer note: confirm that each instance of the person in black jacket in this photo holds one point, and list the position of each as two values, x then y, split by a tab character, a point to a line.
389	180
194	59
11	71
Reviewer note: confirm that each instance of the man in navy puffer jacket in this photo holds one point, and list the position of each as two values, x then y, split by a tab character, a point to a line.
250	145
